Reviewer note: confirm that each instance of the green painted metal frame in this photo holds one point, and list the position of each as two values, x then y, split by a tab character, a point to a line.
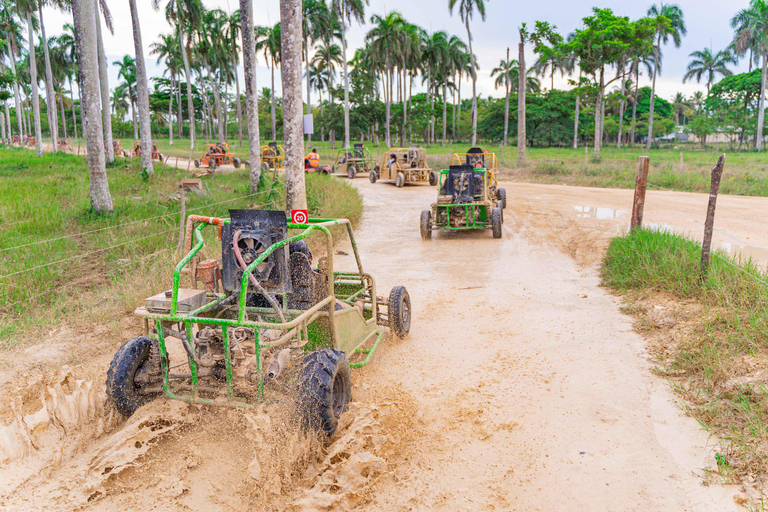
476	224
297	321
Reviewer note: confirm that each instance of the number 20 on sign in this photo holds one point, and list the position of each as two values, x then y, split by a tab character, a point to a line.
299	216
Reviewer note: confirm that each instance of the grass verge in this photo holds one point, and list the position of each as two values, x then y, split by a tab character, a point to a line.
62	264
709	338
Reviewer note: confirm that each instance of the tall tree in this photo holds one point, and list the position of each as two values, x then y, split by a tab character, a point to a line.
668	22
466	11
293	133
345	11
751	32
26	8
386	42
709	65
312	11
142	91
503	77
12	31
106	120
50	95
232	35
127	71
268	40
251	99
84	21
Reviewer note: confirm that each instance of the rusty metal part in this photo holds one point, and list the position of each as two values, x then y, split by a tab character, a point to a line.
281	362
208	273
191	224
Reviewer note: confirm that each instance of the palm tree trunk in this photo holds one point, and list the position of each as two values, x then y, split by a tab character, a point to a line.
387	101
309	89
458	111
621	110
346	81
576	125
474	87
761	107
7	121
522	139
33	83
63	113
237	101
133	117
72	99
85	36
106	117
142	91
634	105
251	98
50	95
179	111
293	133
598	115
653	94
445	111
188	76
16	94
170	113
506	102
274	122
217	101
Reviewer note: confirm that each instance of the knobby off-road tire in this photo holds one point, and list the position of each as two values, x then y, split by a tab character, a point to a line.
500	206
212	163
496	222
399	311
372	177
197	163
351	172
432	178
400	180
324	389
265	166
426	224
236	162
502	195
121	388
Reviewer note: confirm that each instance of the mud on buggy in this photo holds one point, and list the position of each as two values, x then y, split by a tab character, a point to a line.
268	323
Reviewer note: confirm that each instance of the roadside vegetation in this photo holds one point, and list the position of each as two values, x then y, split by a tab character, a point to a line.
61	261
710	338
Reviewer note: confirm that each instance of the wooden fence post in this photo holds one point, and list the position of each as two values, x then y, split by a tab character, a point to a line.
717	172
586	157
641	182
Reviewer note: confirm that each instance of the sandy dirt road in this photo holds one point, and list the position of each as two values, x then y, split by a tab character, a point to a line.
520	387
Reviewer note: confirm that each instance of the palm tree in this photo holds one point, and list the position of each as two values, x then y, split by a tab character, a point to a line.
697	99
268	41
85	35
12	31
167	49
106	120
68	47
231	36
251	101
466	11
127	72
25	9
142	91
669	24
386	43
345	11
705	63
434	54
503	78
50	95
312	11
551	63
751	26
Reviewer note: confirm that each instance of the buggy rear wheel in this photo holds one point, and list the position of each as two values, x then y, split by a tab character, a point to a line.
496	222
502	195
432	178
211	163
399	311
131	360
324	389
197	163
500	206
351	172
400	180
372	177
265	166
236	163
426	224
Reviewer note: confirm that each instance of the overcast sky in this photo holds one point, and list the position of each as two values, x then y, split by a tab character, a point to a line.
707	22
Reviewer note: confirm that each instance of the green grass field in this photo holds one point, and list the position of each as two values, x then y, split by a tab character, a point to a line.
61	262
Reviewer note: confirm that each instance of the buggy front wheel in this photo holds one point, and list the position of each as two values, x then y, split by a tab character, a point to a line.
197	163
351	172
432	178
324	389
372	177
502	195
124	378
496	222
265	166
399	311
236	163
400	180
426	224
